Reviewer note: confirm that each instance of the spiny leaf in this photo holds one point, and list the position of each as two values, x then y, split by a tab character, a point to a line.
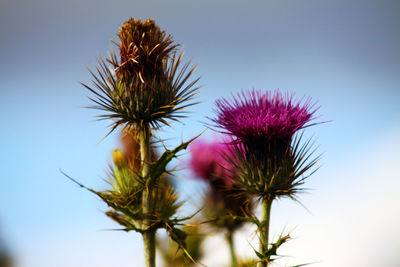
159	167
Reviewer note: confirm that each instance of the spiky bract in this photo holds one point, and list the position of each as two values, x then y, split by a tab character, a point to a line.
147	86
126	197
128	186
271	175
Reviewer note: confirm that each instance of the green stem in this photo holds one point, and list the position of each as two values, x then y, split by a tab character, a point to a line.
148	234
149	244
231	243
264	228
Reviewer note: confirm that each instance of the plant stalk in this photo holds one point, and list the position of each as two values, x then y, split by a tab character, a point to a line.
149	243
264	228
231	243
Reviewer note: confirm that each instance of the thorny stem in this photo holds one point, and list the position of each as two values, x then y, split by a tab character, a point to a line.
264	228
230	240
148	235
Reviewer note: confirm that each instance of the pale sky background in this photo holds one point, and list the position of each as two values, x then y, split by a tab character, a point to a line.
345	54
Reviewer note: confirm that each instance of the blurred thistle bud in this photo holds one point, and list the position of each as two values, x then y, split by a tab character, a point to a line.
131	149
144	50
118	158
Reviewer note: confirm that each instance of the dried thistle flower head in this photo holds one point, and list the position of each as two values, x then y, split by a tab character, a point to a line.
149	86
144	50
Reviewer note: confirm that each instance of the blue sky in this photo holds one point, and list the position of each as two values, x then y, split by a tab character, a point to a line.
344	54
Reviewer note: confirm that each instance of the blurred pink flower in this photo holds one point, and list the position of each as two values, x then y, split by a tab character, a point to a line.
211	162
208	161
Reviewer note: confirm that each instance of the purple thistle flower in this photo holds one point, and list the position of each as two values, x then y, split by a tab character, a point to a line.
207	161
270	115
268	161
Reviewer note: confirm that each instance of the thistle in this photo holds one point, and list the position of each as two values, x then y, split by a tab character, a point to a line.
146	86
225	203
141	89
269	159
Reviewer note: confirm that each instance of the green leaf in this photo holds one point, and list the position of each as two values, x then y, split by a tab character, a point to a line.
158	168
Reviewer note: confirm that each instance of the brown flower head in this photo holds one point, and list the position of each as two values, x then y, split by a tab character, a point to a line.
147	85
143	50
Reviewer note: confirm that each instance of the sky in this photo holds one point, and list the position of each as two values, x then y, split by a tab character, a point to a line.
344	54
